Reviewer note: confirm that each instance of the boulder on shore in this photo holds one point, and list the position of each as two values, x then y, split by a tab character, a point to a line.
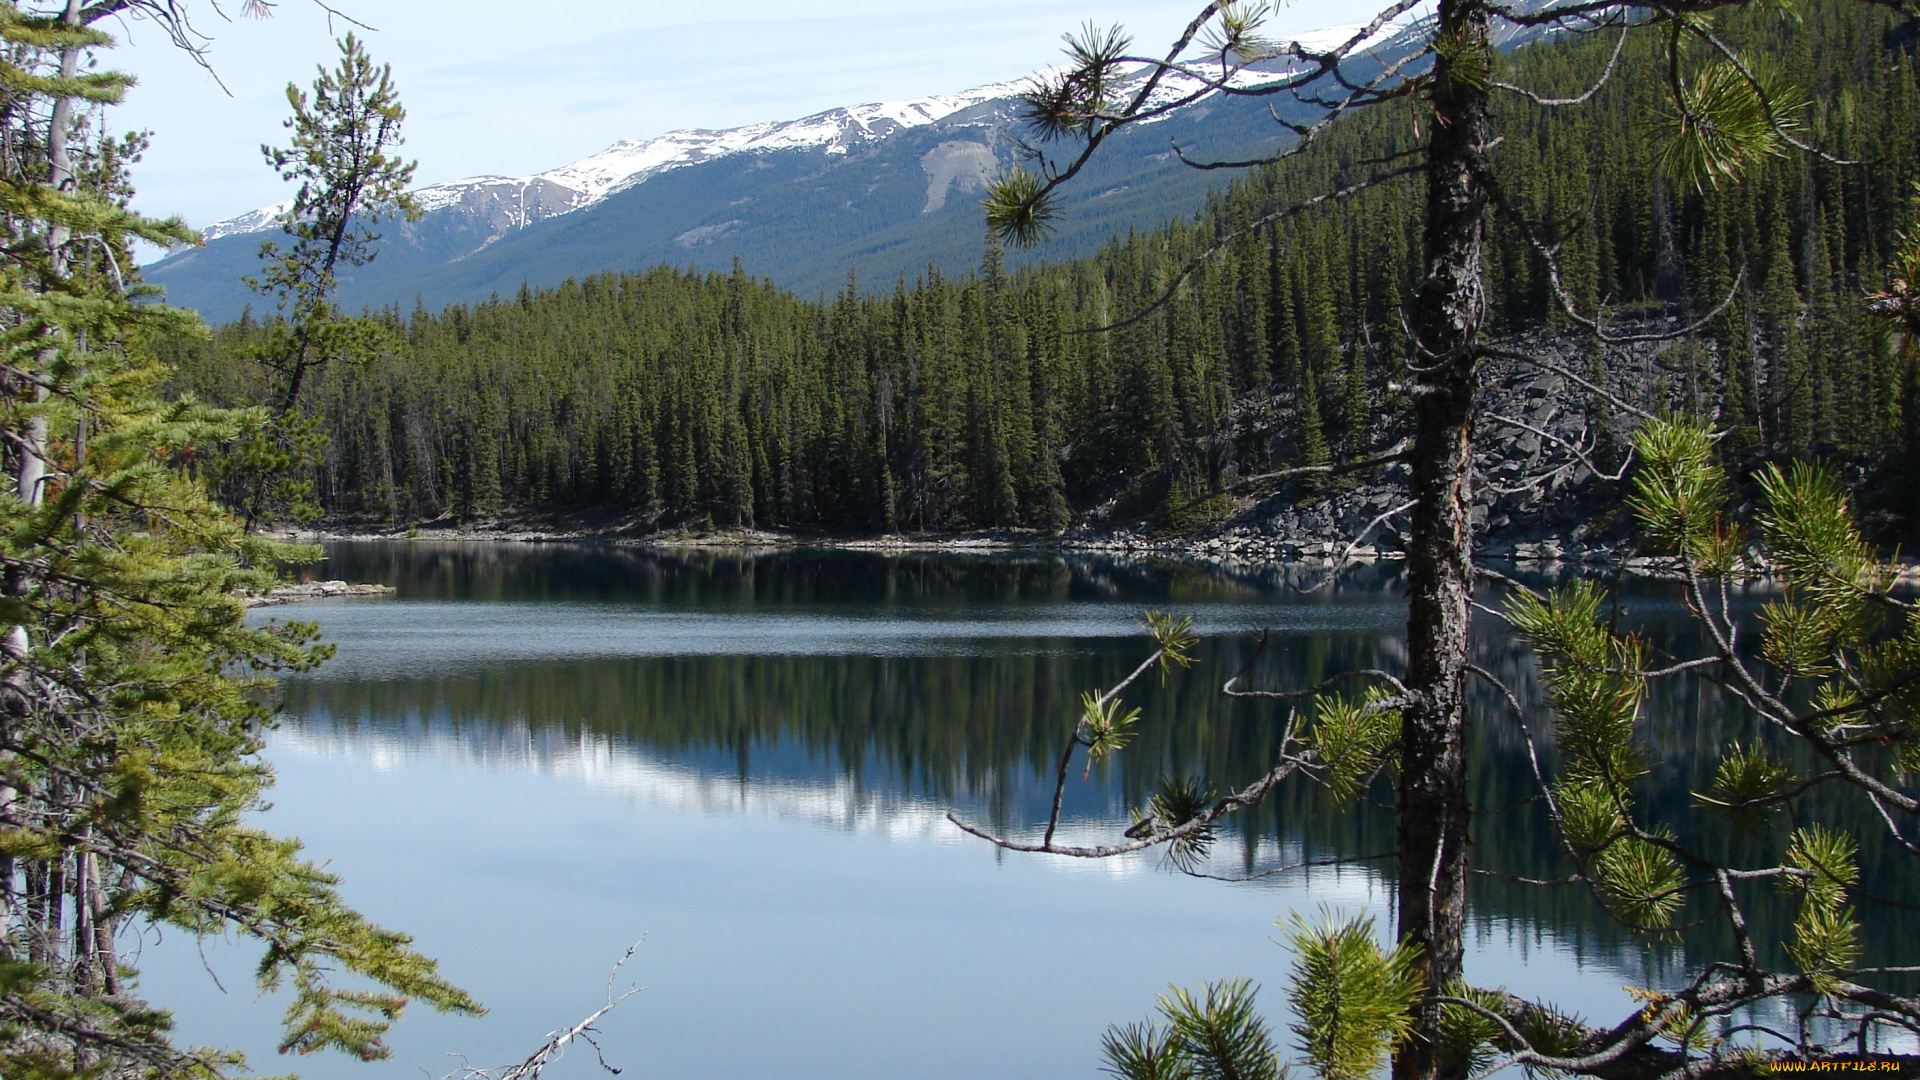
314	590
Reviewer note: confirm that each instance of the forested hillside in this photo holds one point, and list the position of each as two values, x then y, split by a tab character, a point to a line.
949	404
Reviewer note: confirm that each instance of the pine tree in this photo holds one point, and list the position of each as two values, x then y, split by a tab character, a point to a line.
131	713
835	402
1313	436
1723	122
1790	376
1356	404
341	155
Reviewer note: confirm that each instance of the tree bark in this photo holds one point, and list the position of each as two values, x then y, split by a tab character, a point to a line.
30	475
1451	303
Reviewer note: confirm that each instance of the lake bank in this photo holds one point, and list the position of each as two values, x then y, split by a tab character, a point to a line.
1226	549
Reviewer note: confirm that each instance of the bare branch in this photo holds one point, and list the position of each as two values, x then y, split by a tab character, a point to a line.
1316	689
1570	879
1346	553
1550	255
1074	740
1579	453
1139	109
1579	99
1367	94
1307	864
1396	452
1566	373
559	1040
1221	244
1251	795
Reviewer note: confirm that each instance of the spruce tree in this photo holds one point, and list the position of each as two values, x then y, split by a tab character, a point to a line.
341	154
832	423
131	706
1313	436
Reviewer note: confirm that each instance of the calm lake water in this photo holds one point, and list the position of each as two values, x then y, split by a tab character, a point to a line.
534	756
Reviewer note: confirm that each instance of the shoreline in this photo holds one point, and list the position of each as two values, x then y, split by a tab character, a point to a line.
1547	555
297	591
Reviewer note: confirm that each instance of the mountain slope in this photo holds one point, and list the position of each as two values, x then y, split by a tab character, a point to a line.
881	190
667	398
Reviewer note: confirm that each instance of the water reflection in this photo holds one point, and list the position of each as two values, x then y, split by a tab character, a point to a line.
871	692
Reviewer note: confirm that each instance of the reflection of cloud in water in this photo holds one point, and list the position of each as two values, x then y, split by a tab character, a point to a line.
406	640
608	765
601	764
840	802
1501	950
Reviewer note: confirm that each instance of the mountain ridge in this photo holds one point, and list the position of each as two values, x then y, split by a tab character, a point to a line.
873	189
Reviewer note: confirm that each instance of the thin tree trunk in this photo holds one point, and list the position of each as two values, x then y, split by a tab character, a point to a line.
30	479
1433	808
100	922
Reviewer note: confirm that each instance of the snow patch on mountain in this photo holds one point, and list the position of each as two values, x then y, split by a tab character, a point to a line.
498	205
267	217
634	161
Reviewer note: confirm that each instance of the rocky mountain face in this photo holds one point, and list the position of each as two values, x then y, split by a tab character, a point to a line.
877	191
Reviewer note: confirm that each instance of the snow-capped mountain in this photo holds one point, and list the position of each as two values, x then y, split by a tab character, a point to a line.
864	188
513	202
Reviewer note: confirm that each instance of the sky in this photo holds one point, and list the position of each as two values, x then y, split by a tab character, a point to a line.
508	87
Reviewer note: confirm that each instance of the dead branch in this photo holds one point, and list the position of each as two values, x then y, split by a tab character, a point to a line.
1200	824
1564	372
559	1040
1220	244
1613	62
1580	454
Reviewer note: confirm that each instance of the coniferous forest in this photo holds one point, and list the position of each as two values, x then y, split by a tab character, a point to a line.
1711	770
939	404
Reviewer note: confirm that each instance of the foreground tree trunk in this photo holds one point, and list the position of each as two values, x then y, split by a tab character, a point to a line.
1433	808
30	447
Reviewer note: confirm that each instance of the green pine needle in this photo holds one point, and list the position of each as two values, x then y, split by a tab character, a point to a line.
1644	882
1143	1052
1218	1033
1748	786
1104	729
1352	738
1020	208
1354	1002
1173	636
1679	492
1724	125
1175	802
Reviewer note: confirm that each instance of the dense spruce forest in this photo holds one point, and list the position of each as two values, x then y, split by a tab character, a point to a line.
982	403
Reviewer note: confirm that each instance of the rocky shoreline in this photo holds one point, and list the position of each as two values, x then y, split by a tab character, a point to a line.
1232	550
296	592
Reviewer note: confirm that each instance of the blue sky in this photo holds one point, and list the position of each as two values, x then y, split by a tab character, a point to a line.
493	86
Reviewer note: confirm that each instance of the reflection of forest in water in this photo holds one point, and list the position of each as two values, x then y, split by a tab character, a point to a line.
980	727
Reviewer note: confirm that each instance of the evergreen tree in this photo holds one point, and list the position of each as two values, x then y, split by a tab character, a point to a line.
1723	122
341	155
1356	404
131	712
1313	437
950	396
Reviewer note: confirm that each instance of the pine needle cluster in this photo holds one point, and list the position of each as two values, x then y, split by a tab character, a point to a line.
1834	681
134	694
1212	1035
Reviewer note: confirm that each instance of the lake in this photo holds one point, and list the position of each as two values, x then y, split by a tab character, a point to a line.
535	755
